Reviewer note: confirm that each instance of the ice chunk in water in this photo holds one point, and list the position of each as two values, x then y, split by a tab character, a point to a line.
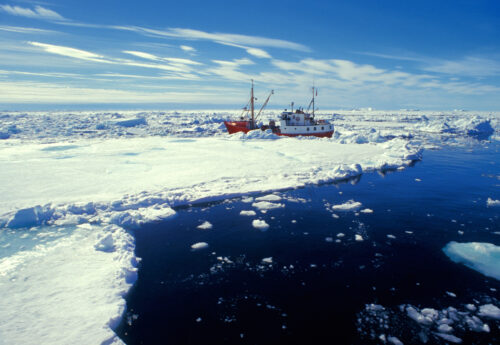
482	257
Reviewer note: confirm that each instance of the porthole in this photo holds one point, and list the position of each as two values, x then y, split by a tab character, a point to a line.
314	128
322	128
307	128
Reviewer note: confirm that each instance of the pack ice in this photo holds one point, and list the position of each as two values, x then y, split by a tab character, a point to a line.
119	170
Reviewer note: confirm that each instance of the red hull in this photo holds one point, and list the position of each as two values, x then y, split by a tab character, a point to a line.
237	126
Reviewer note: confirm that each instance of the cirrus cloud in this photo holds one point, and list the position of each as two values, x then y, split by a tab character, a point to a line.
38	12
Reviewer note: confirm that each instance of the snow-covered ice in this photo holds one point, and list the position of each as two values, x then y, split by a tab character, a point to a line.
199	245
260	224
492	202
268	260
350	205
206	225
143	177
489	311
266	205
269	197
248	213
69	291
482	257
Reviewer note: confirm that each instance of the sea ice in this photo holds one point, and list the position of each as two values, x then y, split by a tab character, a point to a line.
358	238
199	245
350	205
125	177
490	202
247	213
70	291
489	310
206	225
449	337
482	257
269	197
266	205
260	224
394	340
366	210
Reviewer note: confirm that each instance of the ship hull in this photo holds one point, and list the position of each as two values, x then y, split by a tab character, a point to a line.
237	126
319	134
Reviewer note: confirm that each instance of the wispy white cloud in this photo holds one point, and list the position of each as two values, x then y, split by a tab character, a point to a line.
188	49
469	66
25	30
38	12
70	52
143	55
230	70
222	38
42	74
79	54
393	56
176	76
43	93
149	56
257	52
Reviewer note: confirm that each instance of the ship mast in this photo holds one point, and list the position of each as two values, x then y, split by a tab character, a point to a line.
313	100
252	108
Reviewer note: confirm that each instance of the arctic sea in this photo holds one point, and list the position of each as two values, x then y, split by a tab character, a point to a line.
355	262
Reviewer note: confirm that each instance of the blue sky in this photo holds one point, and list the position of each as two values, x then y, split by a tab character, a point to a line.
190	54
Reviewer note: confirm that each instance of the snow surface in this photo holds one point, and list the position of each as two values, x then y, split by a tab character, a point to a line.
482	257
118	180
69	291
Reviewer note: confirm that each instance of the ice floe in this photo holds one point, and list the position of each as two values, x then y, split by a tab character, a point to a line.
269	197
260	224
425	324
70	291
350	205
206	225
248	213
199	245
121	180
489	311
482	257
492	202
266	205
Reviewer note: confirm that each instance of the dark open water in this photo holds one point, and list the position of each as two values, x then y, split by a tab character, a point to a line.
314	289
